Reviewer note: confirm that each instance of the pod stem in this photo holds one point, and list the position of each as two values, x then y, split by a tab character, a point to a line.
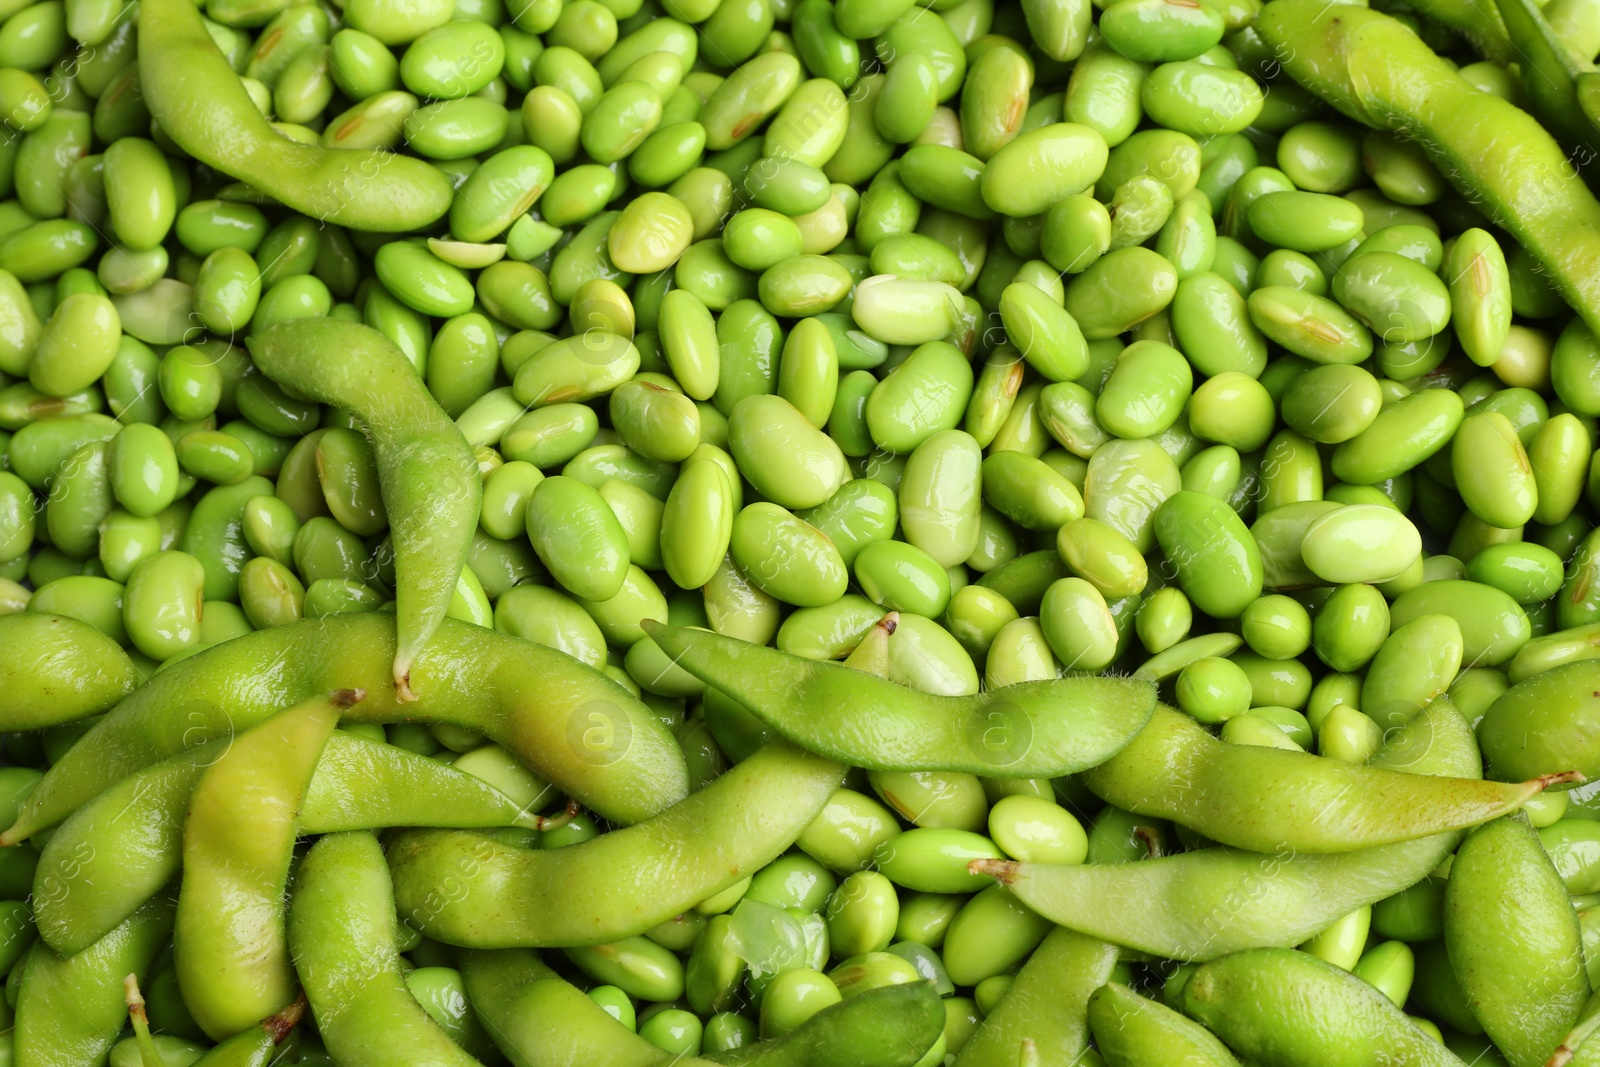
278	1026
402	681
149	1054
1568	1048
1003	870
1545	781
556	822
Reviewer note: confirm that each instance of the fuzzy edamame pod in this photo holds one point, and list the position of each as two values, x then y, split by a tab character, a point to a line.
342	933
1544	720
621	883
1376	70
119	849
1514	941
54	669
1272	800
1202	904
426	470
570	724
70	1009
1281	1007
1132	1031
1047	1004
202	105
1033	729
228	942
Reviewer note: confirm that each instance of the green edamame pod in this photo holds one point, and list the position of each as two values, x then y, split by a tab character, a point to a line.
979	734
133	832
56	670
1267	1002
1130	1030
789	786
199	102
1047	1005
1212	799
229	940
599	717
413	440
524	1003
1514	941
341	930
74	1006
1188	909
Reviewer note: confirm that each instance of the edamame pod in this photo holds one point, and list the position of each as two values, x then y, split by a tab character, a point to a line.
584	894
70	1009
425	469
229	942
1131	1030
55	669
1514	940
1189	906
544	1021
201	104
341	929
575	728
1318	805
1284	1006
1046	1007
118	850
1034	729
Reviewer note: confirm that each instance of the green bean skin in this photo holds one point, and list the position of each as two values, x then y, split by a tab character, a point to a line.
119	849
1048	1003
54	669
1270	800
1206	903
1544	719
366	785
228	941
1034	729
70	1009
1551	72
249	1048
1377	71
426	470
201	104
540	1020
888	1026
1280	1007
1479	22
619	884
342	933
1131	1030
573	726
1514	941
